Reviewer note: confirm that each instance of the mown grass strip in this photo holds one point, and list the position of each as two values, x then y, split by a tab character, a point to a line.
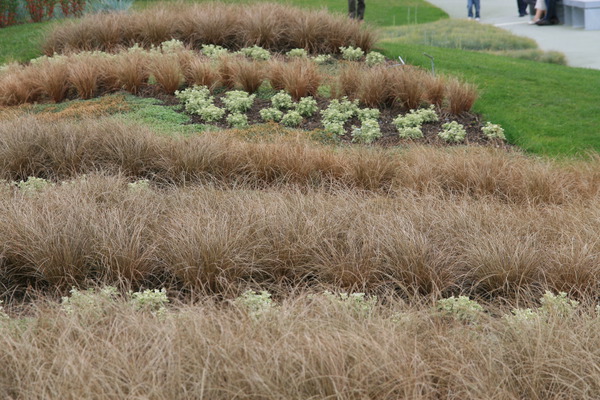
545	108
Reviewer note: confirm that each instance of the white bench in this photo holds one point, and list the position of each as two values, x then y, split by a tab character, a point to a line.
582	14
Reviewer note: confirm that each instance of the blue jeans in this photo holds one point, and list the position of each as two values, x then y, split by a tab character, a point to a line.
470	4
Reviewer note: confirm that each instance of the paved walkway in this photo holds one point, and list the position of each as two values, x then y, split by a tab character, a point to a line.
582	48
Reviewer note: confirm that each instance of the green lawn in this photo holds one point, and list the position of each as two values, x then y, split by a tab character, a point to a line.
21	42
545	108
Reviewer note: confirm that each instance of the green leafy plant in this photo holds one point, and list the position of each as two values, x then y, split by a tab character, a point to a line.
256	53
369	131
557	305
291	119
460	308
410	132
237	120
374	58
213	51
88	302
33	184
322	59
270	114
282	100
358	303
300	53
307	106
368	113
453	132
493	131
352	53
255	304
238	101
3	316
139	185
150	300
197	100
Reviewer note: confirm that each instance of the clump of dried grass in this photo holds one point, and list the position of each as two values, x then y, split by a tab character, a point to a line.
273	26
298	77
167	72
461	96
309	348
249	75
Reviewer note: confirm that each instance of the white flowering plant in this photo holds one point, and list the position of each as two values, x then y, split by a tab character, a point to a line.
88	302
255	304
3	315
352	53
307	106
368	113
139	185
453	132
460	308
291	119
238	101
150	300
374	58
410	132
282	100
33	184
172	46
493	131
270	114
359	302
256	53
322	59
297	53
213	51
369	131
197	100
237	120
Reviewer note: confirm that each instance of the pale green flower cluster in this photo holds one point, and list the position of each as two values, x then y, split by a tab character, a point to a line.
255	304
307	106
337	113
323	59
213	51
237	120
139	185
352	53
3	316
150	300
460	308
282	100
256	53
368	113
172	46
409	125
453	132
238	101
33	184
374	58
197	100
356	302
291	119
271	114
369	131
299	53
551	306
89	301
558	305
493	131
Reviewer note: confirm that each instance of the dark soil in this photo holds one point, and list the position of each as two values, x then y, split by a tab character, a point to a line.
471	121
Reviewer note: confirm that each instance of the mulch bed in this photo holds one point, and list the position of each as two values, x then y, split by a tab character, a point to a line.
471	121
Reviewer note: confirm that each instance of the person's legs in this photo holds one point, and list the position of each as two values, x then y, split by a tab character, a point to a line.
522	7
470	8
352	8
360	9
477	4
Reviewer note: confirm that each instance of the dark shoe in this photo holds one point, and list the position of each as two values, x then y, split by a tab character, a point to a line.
523	15
543	22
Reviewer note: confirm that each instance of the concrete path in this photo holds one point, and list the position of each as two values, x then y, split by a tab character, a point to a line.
582	48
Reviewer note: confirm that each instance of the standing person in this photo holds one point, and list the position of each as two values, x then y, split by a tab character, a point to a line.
522	7
550	18
356	9
470	5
